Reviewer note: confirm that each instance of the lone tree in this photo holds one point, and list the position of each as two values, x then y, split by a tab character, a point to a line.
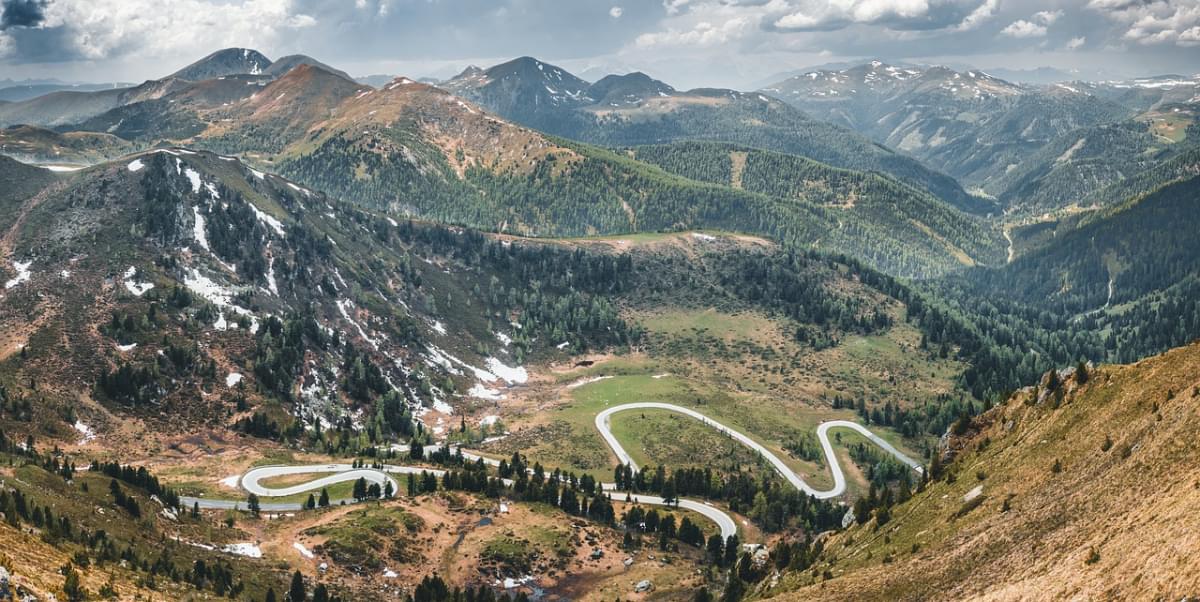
320	593
252	504
296	592
72	588
324	501
360	489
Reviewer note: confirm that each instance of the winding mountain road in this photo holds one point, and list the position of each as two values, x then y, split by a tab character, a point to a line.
251	482
839	478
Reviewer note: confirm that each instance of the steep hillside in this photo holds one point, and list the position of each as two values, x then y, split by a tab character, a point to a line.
1066	491
1074	168
319	308
37	145
968	124
651	112
1183	166
1110	258
1112	285
282	112
19	181
179	115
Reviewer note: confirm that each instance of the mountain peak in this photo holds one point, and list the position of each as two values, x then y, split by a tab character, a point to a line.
523	81
291	61
532	68
229	61
630	88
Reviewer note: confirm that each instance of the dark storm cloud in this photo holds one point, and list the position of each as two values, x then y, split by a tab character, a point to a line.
22	13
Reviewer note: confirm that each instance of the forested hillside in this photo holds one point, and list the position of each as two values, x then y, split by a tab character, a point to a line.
414	150
1113	287
877	199
1088	167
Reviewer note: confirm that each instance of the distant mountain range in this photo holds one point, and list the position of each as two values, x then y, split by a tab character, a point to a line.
70	105
972	125
19	92
635	109
435	152
418	150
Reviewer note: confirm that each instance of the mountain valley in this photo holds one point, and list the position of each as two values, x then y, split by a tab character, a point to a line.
873	332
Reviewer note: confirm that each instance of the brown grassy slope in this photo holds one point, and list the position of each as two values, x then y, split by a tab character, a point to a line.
1117	524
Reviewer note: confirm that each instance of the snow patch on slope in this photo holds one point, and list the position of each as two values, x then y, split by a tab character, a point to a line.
267	219
515	375
137	288
23	273
198	229
481	392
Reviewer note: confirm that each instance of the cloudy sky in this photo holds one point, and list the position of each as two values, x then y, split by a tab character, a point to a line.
736	43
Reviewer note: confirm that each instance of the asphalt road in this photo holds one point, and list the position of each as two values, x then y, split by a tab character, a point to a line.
839	478
340	473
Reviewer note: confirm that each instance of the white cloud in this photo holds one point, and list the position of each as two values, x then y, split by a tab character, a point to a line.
701	34
615	12
1047	17
1034	27
831	13
1076	43
1024	29
301	21
674	6
984	12
1156	21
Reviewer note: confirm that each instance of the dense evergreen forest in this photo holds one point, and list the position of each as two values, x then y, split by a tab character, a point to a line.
1056	306
874	197
750	120
901	230
1073	167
